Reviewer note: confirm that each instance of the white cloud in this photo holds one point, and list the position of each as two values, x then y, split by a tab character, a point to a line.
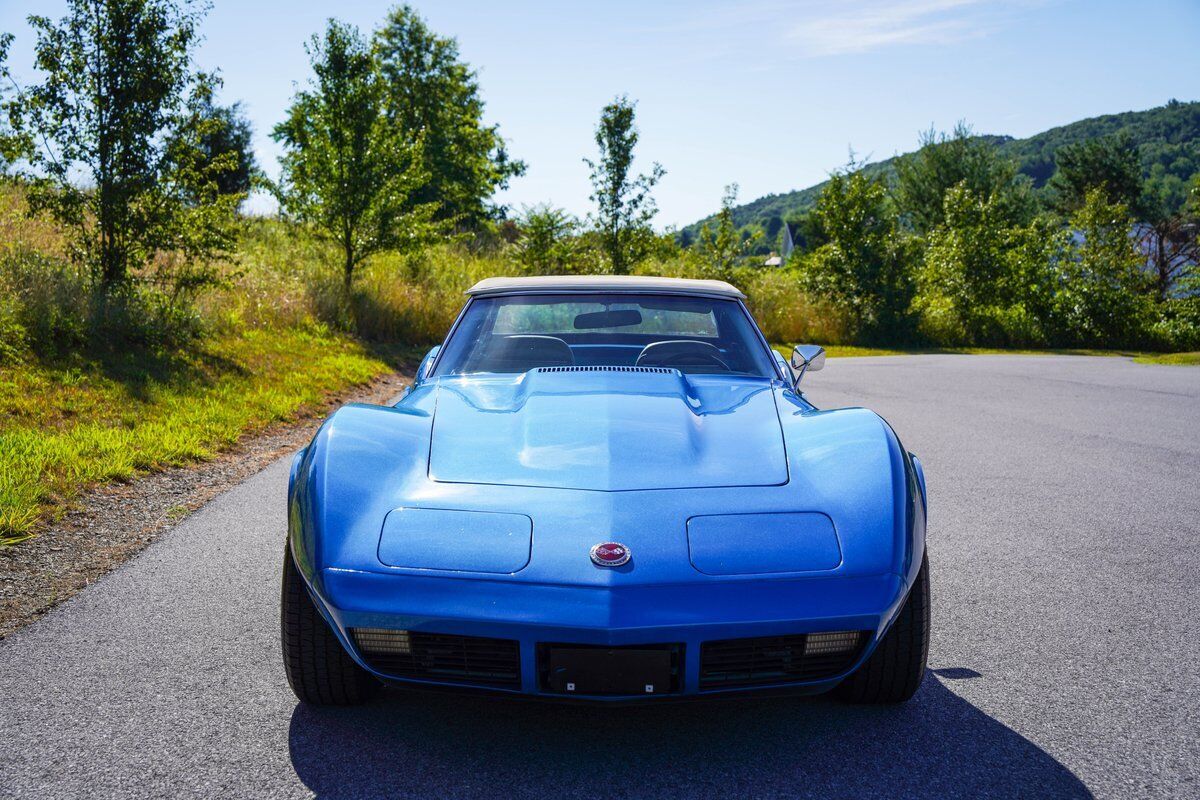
861	25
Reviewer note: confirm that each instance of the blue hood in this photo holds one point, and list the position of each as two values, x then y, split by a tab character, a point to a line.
607	431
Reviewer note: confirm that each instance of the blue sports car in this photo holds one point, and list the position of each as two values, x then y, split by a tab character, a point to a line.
606	488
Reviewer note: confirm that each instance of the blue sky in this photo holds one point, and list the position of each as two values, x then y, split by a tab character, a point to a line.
771	95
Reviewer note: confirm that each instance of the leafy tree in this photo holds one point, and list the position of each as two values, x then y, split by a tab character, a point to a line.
861	262
10	146
229	135
1170	232
722	245
943	162
429	92
1103	300
1171	246
119	106
547	243
347	170
624	206
1109	164
983	281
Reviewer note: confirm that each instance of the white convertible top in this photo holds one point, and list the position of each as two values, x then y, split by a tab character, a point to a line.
604	283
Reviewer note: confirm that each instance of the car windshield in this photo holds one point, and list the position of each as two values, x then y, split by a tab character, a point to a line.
516	333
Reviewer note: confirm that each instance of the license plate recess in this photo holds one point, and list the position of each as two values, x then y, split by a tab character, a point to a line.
599	670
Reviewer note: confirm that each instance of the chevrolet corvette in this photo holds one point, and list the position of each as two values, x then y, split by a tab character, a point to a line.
610	489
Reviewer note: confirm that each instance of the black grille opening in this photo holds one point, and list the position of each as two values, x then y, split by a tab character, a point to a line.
779	659
607	368
441	657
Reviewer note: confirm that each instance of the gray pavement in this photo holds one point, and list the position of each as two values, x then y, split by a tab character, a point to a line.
1064	524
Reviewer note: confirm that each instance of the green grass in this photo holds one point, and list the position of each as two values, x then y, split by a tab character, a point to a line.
1180	359
64	427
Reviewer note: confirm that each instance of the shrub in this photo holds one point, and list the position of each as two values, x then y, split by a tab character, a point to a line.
1178	329
548	243
1105	296
49	302
58	309
982	282
861	262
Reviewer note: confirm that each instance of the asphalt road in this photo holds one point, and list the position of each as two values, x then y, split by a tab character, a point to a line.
1064	523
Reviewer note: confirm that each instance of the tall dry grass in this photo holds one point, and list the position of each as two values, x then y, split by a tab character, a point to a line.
285	277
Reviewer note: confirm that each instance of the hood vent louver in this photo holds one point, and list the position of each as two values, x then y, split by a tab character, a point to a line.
658	370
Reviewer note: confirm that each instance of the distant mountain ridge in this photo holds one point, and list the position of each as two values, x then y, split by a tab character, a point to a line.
1168	139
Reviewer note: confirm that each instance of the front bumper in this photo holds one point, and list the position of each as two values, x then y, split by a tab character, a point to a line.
682	616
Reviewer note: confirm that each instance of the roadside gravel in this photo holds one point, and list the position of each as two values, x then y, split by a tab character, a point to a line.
107	525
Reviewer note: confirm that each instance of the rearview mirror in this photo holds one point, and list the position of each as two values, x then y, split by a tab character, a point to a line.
805	358
621	318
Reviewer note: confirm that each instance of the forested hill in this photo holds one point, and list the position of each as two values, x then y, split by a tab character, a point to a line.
1167	137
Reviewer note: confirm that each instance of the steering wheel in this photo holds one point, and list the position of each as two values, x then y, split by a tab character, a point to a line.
681	353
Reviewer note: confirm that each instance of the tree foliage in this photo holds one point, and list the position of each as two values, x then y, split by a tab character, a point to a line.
548	242
229	135
1109	164
960	159
1170	234
860	265
722	246
347	169
429	93
983	280
121	107
1167	140
624	206
11	146
1104	299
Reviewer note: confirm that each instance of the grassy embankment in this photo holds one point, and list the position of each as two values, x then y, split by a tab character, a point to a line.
64	426
73	419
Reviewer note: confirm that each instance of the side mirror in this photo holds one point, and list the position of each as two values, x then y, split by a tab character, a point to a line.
426	364
806	358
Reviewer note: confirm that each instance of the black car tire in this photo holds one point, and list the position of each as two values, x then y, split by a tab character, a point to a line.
318	668
896	668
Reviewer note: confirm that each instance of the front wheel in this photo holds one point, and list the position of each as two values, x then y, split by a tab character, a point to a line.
318	668
894	671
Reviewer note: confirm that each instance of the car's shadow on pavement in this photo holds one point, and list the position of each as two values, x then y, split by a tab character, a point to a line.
411	744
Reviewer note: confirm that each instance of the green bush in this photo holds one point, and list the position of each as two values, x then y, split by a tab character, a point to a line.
983	281
48	300
1105	297
56	309
1178	329
861	262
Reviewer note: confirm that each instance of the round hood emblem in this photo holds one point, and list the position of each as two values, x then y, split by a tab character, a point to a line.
610	554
